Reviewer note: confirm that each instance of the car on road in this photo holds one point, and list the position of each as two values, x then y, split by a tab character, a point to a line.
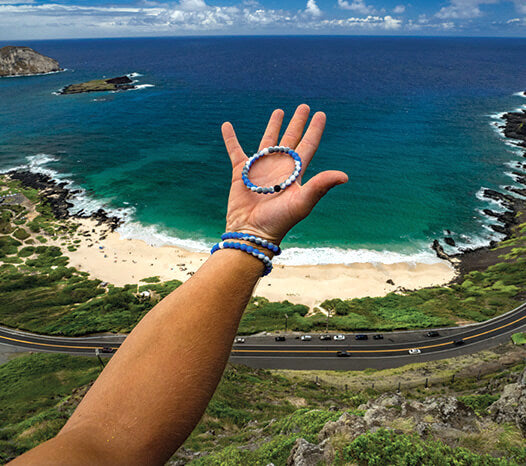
306	338
414	351
325	337
343	354
361	336
239	340
432	333
338	337
107	349
280	338
459	342
378	337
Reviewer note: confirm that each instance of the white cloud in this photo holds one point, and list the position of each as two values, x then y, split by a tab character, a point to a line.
399	9
369	22
520	5
312	9
15	2
459	9
356	5
513	21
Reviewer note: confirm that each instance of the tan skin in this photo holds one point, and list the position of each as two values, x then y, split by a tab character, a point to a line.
156	387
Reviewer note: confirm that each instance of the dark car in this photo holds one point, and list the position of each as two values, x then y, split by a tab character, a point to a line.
432	333
107	349
325	337
280	338
459	342
361	337
343	354
378	337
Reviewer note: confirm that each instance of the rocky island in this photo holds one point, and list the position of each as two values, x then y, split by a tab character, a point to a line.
24	61
120	83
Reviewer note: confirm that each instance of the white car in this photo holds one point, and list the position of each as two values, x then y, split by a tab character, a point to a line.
239	340
306	338
414	351
339	337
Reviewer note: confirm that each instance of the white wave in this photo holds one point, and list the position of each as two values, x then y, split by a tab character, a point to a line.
142	86
36	74
134	75
318	256
82	201
520	94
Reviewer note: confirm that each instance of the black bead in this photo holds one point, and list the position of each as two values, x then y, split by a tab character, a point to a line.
277	188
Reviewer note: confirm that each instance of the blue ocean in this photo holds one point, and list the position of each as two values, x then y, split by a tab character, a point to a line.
413	121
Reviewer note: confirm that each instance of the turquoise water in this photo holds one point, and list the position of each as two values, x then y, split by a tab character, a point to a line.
409	120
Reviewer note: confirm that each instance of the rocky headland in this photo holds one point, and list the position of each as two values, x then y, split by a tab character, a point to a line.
24	61
58	197
120	83
513	201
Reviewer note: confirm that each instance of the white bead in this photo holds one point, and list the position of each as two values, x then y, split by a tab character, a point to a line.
293	178
288	182
261	256
253	189
264	242
221	245
264	151
282	185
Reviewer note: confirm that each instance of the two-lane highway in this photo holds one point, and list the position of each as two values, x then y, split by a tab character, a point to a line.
264	351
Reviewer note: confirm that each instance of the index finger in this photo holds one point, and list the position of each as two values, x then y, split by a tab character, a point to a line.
311	140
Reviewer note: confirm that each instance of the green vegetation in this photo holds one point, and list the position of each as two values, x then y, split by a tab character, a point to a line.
479	403
387	447
519	338
255	416
33	390
151	280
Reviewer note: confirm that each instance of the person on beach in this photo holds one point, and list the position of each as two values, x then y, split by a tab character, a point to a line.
154	390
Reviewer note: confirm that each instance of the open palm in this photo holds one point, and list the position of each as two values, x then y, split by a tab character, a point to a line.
271	216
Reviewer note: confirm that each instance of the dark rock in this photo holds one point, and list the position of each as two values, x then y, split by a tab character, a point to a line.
389	281
58	197
450	241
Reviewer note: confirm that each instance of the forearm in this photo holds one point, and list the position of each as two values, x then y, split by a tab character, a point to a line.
155	389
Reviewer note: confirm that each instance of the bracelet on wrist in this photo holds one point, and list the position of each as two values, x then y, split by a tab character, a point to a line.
248	249
252	239
280	186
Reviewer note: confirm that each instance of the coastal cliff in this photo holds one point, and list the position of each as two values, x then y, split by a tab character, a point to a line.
24	61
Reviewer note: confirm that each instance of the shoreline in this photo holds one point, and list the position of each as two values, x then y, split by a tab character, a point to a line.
98	248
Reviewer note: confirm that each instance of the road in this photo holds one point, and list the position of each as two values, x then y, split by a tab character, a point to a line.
264	352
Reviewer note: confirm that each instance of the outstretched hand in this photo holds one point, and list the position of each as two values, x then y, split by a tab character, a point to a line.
271	216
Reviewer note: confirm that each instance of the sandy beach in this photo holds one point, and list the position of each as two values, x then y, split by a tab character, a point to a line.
108	257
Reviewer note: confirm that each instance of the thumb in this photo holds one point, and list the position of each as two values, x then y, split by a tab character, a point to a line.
317	187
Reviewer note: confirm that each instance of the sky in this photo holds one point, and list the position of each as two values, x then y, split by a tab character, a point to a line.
36	19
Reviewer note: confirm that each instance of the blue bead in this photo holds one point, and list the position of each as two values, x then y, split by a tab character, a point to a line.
250	249
243	247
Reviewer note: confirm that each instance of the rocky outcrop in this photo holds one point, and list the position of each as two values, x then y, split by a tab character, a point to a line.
304	453
58	197
120	83
24	61
511	406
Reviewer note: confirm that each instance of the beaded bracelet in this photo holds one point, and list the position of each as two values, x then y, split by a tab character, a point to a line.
249	249
253	239
279	187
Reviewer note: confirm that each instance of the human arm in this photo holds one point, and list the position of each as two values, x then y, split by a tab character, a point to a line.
156	387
